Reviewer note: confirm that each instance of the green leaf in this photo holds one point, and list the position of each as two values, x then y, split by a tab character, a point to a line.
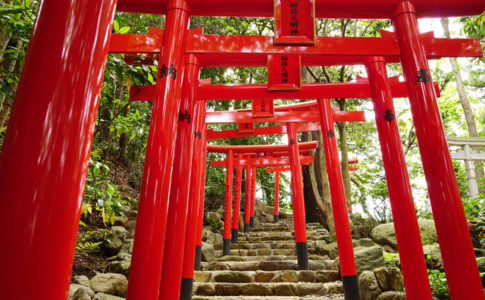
116	26
96	171
124	29
5	10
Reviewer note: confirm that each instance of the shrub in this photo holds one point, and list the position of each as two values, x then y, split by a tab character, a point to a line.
102	194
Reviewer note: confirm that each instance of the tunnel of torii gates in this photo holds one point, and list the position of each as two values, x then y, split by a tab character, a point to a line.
267	156
45	155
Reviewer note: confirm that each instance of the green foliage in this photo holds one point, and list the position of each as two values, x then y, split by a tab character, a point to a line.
216	225
475	208
475	212
331	238
362	227
481	265
474	26
16	23
88	241
102	193
19	17
437	282
87	246
117	29
392	260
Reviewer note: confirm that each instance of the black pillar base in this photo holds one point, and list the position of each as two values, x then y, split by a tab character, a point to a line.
276	218
351	287
198	258
302	254
234	233
246	227
251	222
226	250
186	289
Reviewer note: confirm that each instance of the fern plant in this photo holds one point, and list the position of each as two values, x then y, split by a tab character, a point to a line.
87	246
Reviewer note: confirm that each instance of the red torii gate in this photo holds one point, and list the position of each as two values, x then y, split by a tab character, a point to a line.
250	165
264	158
60	125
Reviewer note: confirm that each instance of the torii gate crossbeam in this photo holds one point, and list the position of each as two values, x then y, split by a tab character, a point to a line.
355	9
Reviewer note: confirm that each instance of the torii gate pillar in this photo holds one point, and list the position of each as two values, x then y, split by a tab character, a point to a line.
339	204
451	226
45	155
196	206
146	265
236	206
247	198
405	223
228	203
298	199
201	186
276	205
253	195
181	181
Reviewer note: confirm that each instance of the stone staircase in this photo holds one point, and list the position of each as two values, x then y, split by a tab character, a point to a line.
263	265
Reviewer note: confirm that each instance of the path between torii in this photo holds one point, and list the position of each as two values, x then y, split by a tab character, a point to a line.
263	265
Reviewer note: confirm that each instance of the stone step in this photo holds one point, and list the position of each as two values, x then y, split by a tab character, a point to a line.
258	252
283	227
321	276
272	227
327	297
260	245
281	236
267	289
274	236
266	265
229	258
287	230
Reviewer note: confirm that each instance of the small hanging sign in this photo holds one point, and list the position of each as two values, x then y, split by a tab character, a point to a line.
263	108
294	21
245	127
284	72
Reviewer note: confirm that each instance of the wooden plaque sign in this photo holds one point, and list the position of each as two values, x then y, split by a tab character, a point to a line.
284	72
245	127
263	108
294	21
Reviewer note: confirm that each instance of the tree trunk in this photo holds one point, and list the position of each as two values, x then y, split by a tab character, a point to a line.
318	175
5	34
342	129
6	103
123	146
4	40
310	193
124	140
313	206
465	103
